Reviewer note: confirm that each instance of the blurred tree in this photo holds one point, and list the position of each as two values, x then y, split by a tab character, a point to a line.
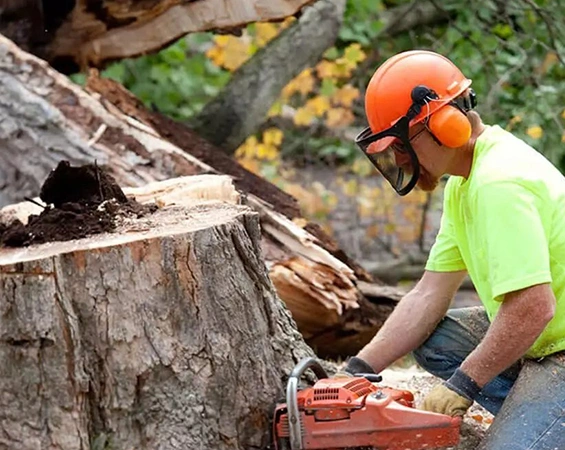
513	51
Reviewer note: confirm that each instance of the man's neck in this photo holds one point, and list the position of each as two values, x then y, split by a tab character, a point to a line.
463	160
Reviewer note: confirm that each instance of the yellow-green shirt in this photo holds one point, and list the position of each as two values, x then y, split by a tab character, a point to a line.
505	224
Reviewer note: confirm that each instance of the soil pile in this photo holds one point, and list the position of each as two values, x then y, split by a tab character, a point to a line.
82	201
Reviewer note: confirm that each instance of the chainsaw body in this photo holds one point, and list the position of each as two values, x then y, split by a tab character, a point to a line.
340	413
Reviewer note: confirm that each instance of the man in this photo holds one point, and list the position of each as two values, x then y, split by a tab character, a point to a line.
503	223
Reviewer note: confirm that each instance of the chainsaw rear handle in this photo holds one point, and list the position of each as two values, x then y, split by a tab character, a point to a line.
372	377
295	432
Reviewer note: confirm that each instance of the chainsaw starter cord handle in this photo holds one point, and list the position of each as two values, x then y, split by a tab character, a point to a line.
463	384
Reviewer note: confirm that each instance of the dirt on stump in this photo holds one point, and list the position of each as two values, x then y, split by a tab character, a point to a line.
81	201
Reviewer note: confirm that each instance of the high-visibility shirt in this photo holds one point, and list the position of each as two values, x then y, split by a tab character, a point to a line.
505	225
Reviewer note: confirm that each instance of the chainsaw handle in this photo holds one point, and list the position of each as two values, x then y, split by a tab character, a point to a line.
294	425
372	377
308	363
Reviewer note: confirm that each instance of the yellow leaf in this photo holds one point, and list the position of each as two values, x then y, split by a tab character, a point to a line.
247	149
300	222
346	95
535	132
351	187
217	55
222	39
276	109
390	227
265	32
326	69
267	151
563	114
303	116
237	52
365	207
354	54
252	165
287	22
273	136
318	105
362	167
344	68
563	137
303	83
339	117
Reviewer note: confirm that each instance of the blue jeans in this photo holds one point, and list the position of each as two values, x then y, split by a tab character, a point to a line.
528	399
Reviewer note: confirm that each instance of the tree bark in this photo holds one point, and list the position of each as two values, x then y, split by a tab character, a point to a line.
165	334
45	118
242	105
75	34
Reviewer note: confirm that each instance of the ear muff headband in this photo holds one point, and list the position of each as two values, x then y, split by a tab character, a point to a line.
449	124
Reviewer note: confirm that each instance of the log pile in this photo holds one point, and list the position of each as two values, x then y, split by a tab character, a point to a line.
90	33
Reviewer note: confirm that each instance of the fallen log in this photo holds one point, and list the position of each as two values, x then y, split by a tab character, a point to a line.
45	118
86	33
164	333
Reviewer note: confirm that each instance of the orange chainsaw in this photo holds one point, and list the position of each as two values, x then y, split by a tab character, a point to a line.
346	413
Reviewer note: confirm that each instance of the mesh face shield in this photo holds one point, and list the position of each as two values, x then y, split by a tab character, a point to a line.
391	152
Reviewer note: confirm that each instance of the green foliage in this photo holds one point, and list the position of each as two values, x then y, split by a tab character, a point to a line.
361	22
178	81
513	50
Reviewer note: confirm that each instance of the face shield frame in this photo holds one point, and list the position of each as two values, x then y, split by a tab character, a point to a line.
399	131
421	95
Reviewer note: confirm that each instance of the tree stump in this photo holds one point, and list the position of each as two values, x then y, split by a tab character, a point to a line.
164	334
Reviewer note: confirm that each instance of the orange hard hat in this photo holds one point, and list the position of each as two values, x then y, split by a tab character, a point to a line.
389	92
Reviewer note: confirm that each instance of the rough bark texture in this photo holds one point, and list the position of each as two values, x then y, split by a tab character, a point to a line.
166	334
243	104
89	33
45	118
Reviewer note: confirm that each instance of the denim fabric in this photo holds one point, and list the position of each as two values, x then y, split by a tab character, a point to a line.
528	399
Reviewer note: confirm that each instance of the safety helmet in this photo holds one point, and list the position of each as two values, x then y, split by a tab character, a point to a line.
409	88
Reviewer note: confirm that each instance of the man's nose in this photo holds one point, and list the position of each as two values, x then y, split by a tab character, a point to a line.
401	159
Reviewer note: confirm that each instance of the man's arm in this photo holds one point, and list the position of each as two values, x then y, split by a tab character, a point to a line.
521	318
413	319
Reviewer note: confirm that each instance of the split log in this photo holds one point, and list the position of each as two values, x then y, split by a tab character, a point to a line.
45	118
164	334
90	33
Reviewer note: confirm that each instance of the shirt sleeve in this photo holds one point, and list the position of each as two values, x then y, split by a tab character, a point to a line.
511	220
445	255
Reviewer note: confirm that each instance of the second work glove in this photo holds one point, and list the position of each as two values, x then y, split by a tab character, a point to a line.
454	397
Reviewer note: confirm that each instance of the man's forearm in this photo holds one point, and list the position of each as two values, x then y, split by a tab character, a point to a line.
519	322
410	324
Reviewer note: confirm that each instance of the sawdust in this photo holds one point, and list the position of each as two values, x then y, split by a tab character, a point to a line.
80	202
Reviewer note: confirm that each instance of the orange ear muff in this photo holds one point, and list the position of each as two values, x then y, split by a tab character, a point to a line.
450	126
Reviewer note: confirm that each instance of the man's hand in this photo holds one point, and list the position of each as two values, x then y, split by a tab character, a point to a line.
354	365
443	400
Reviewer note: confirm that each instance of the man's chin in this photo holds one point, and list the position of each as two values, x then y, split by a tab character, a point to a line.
427	184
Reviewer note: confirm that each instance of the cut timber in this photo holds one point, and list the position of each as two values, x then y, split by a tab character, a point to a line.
90	33
165	334
45	118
